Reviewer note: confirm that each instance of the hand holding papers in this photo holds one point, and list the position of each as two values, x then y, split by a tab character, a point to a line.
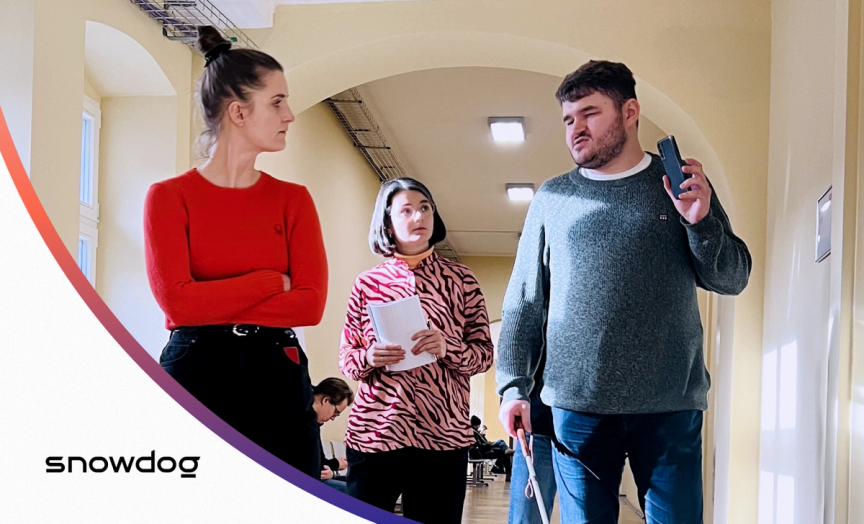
395	323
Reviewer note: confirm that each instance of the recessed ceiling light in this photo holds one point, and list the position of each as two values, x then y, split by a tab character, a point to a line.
507	129
520	192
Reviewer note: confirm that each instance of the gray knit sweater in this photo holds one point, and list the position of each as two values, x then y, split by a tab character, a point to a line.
606	275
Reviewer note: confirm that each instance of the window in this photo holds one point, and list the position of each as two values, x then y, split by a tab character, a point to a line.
88	231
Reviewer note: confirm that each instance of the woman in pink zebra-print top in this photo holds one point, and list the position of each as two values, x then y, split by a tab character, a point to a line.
419	416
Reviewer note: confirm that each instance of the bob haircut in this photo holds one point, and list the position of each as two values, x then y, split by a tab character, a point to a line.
381	241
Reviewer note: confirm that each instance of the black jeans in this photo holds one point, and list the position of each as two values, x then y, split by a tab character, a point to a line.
254	378
435	496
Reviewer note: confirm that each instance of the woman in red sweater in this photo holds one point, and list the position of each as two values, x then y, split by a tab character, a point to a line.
236	259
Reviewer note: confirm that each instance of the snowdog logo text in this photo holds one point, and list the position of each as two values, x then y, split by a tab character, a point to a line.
144	464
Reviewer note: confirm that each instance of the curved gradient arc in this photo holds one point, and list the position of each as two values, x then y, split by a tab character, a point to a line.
151	367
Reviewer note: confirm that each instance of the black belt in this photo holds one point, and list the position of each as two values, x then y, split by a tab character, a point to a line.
240	330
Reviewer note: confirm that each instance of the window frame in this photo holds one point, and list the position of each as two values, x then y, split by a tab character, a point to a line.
88	188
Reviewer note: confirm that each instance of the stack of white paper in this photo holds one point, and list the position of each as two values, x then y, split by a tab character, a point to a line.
395	323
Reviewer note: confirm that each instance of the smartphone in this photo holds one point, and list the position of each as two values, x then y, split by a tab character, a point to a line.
672	163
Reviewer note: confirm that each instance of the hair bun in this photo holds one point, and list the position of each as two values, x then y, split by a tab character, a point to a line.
211	43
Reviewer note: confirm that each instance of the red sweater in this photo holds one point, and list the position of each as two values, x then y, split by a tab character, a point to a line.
215	255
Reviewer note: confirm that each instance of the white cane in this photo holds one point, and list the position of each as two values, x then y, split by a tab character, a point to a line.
532	490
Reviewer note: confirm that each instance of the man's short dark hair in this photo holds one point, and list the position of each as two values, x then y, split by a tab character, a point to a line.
475	420
335	389
613	79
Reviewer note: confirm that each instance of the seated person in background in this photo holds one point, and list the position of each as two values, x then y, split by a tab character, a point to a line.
484	449
332	396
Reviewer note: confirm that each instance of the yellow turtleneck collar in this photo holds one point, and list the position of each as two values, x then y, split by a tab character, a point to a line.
414	260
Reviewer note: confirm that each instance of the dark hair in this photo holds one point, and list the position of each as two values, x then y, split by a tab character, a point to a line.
613	79
335	389
381	241
475	420
229	74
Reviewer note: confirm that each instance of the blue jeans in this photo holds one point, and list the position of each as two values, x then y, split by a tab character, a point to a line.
665	452
338	485
522	509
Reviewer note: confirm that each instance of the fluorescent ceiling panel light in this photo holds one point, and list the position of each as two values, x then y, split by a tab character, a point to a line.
520	192
507	129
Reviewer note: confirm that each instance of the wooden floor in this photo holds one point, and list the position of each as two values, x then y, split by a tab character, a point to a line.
490	505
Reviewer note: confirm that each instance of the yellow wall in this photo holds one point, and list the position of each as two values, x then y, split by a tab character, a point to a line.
90	90
491	404
321	157
493	274
16	82
58	75
856	387
649	135
51	98
137	150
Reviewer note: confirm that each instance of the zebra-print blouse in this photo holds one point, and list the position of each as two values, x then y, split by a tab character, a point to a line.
425	407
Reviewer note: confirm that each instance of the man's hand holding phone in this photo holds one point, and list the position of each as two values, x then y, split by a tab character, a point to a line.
695	203
685	182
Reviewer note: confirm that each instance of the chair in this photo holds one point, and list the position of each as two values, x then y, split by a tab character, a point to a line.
327	446
478	468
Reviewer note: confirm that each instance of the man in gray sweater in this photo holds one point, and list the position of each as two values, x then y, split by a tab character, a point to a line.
606	273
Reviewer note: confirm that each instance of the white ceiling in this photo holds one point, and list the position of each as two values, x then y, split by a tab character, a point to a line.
436	121
290	2
247	14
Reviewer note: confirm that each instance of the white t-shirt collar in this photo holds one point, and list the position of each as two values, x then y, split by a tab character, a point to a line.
594	175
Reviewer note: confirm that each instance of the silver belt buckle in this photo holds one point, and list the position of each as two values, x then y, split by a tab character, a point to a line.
238	332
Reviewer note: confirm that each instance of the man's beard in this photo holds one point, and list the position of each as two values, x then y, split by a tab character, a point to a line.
608	146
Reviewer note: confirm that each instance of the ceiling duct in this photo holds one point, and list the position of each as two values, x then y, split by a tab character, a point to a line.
180	18
358	122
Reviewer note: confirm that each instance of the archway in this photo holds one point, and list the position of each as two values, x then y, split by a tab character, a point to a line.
120	66
315	80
